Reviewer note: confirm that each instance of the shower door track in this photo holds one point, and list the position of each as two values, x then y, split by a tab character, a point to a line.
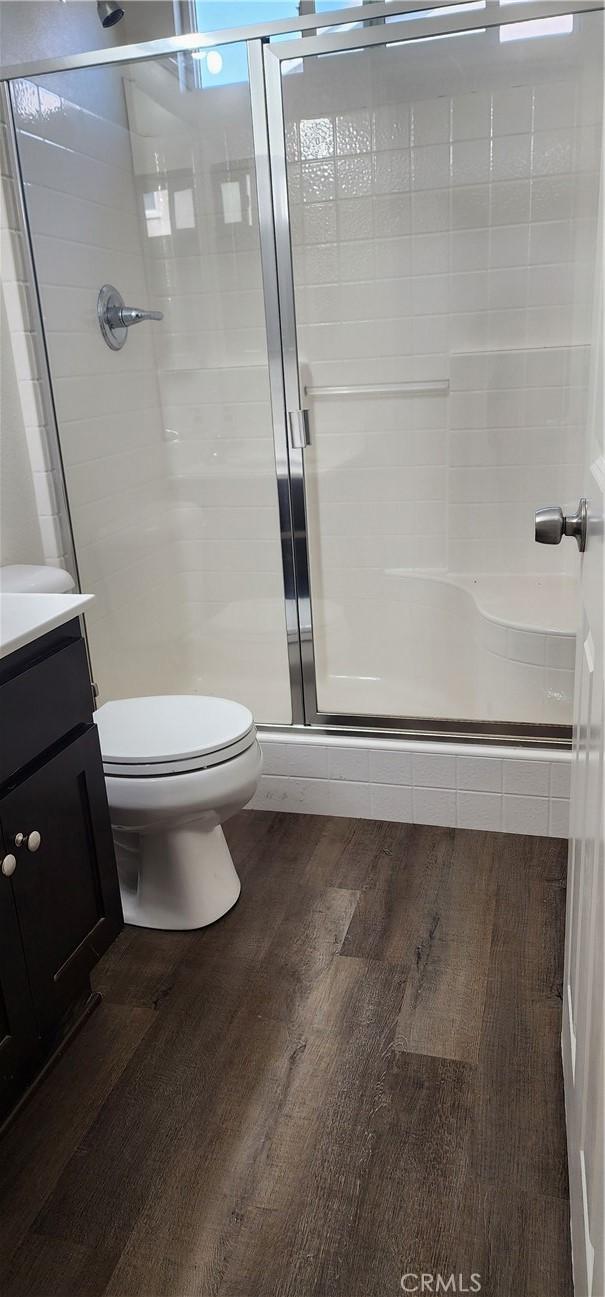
264	61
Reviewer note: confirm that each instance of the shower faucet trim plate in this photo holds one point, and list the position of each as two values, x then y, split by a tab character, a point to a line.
115	318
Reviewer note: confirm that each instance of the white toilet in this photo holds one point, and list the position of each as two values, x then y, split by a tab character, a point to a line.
176	767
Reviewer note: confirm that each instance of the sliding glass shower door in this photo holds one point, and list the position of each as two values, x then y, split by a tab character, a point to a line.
436	192
143	177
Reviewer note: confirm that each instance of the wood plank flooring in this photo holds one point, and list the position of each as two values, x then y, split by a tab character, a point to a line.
353	1076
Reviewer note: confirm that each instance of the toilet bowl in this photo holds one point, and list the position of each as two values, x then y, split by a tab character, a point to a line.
176	767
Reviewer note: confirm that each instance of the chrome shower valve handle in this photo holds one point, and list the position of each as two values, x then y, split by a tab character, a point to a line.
115	318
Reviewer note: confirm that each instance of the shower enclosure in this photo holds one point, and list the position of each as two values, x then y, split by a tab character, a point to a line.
311	485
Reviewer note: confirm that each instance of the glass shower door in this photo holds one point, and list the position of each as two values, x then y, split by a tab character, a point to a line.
436	203
143	177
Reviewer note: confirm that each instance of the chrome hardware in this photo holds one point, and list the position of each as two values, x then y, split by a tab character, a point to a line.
552	525
115	318
300	436
30	840
432	387
9	864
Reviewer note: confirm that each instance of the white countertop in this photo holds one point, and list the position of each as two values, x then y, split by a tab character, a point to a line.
25	617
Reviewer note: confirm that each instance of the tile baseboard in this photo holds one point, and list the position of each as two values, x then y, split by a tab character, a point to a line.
453	785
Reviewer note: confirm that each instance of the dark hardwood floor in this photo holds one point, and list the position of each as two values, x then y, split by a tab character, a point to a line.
353	1076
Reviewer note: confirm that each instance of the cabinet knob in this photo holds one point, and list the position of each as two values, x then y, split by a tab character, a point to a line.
30	840
9	864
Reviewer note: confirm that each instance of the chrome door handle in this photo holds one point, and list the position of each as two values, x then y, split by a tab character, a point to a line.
115	318
299	429
552	525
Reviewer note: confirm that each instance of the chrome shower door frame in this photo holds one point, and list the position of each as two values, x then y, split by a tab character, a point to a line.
414	28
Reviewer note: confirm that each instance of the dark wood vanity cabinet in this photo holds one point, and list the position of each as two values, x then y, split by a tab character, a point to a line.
59	897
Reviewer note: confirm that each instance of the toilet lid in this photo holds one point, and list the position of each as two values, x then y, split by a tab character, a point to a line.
172	731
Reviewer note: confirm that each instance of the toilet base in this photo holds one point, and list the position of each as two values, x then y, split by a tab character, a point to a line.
179	880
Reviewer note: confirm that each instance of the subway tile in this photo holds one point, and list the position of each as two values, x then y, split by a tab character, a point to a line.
512	110
275	757
356	217
431	121
479	811
511	157
553	197
316	138
479	774
470	162
354	177
354	132
525	815
509	245
552	152
391	803
471	116
469	291
391	126
550	241
392	172
308	760
352	763
390	767
349	799
430	166
431	211
306	796
468	372
470	249
470	206
529	777
435	806
434	770
319	222
510	202
318	181
431	253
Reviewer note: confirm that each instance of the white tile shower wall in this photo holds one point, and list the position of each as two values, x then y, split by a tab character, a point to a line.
464	786
443	237
45	541
75	154
205	274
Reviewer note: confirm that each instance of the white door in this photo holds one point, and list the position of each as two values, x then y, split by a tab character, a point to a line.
584	982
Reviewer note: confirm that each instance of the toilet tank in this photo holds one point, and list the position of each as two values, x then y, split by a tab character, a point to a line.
33	578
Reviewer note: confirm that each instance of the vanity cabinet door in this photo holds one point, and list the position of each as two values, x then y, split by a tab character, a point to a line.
65	883
17	1021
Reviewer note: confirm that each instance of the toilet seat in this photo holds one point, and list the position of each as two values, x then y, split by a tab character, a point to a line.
171	734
